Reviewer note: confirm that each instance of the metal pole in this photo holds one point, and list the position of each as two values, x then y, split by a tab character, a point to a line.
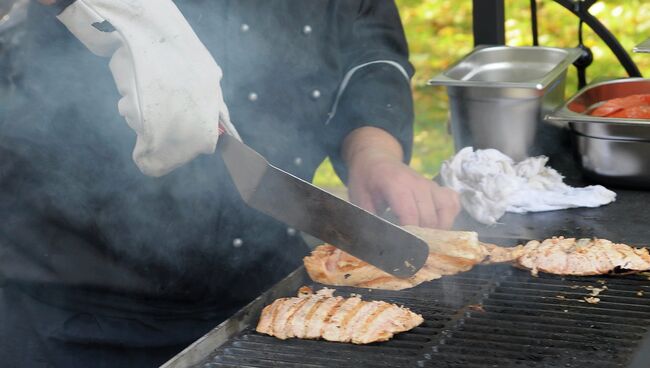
488	18
602	32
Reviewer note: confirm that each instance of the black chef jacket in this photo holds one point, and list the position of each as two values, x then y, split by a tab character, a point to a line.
83	229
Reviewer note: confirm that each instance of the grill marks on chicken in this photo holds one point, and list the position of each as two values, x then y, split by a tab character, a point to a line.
568	256
450	252
321	315
331	266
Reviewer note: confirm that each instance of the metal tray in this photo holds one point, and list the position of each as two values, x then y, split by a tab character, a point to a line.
530	68
612	151
613	162
643	46
575	111
498	97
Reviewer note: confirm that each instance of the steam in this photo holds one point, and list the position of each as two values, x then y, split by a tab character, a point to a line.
68	170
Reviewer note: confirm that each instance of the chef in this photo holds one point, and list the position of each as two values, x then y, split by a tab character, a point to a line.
123	238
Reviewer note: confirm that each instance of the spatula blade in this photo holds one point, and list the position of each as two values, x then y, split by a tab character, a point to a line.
305	207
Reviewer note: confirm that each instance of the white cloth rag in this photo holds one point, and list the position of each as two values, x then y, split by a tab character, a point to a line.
491	184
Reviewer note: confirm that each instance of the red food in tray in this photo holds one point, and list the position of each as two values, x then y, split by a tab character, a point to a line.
629	107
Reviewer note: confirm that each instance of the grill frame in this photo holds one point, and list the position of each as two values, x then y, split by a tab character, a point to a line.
247	316
490	316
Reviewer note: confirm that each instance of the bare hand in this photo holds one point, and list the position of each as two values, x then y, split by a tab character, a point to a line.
378	179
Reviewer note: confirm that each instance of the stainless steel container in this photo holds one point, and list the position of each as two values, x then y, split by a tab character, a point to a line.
499	95
643	47
613	151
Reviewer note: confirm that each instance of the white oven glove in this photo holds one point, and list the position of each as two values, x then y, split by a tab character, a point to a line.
169	82
491	184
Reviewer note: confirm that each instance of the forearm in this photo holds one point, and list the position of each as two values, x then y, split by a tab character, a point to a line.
370	143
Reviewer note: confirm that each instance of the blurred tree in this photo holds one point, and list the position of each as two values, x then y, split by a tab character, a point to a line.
440	32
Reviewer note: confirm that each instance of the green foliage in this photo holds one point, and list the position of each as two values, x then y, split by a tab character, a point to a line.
440	32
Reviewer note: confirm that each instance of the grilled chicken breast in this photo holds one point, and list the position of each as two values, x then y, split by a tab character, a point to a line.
450	252
459	244
322	315
497	254
568	256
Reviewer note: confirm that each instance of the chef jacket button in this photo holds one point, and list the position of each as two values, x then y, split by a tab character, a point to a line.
315	94
244	27
237	242
291	231
252	97
297	161
306	30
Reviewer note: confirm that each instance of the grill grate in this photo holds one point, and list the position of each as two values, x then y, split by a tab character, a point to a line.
546	322
489	317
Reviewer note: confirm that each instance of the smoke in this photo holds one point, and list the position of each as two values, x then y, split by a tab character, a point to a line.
79	207
11	15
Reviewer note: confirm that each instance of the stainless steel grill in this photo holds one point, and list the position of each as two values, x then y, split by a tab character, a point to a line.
440	303
489	317
546	322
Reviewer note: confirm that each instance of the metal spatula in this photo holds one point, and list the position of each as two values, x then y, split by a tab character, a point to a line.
307	208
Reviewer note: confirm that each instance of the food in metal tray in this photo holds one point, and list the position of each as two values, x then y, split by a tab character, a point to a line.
570	256
322	315
629	107
450	252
